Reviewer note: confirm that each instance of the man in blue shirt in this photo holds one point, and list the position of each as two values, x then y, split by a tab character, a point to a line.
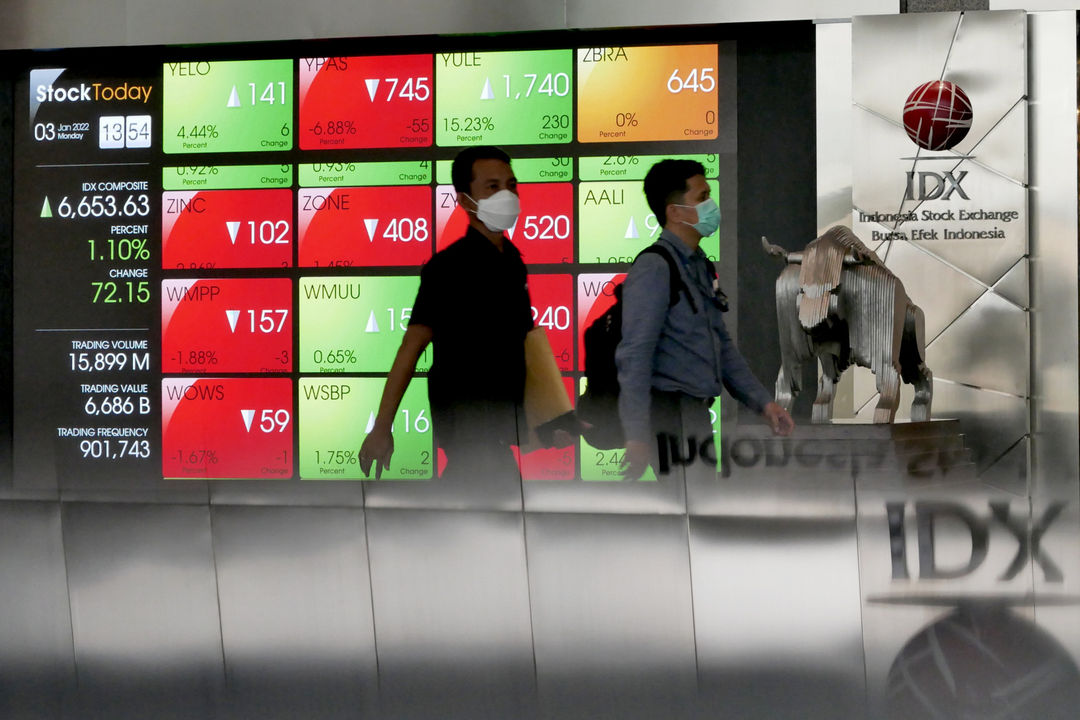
673	359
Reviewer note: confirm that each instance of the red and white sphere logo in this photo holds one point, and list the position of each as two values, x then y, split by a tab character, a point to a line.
937	115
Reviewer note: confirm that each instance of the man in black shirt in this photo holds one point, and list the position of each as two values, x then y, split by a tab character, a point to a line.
473	305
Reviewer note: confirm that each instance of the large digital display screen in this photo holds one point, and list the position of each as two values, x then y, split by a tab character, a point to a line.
234	238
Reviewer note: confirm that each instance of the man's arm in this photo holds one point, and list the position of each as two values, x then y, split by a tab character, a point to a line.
378	446
645	296
744	386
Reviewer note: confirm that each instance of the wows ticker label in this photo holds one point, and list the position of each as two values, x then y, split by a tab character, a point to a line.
226	229
226	325
215	427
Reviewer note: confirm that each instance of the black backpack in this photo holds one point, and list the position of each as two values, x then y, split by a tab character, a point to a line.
598	406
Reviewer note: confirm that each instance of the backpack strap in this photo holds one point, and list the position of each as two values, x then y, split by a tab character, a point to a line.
675	282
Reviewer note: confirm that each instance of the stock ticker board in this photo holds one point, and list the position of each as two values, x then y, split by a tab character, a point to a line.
216	257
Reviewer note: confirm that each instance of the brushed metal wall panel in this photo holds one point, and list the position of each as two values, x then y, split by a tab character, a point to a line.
882	87
896	607
293	493
991	422
296	621
1055	461
612	615
667	496
773	640
451	606
144	610
984	347
37	663
1010	471
476	494
1015	285
832	49
1054	261
924	279
614	13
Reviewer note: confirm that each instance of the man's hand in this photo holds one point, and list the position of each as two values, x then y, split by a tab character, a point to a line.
635	460
378	447
779	419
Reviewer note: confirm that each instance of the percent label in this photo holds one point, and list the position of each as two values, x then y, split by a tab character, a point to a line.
634	94
215	427
505	98
226	325
355	324
366	102
357	227
228	106
337	413
226	229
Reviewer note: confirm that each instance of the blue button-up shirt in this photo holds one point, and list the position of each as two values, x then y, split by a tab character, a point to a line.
676	349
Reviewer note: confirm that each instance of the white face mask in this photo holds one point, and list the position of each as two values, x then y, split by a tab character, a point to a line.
498	212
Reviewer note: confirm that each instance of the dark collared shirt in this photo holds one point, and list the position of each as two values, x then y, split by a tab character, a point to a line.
676	349
476	301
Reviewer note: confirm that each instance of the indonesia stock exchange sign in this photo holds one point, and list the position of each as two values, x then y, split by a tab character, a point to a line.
941	138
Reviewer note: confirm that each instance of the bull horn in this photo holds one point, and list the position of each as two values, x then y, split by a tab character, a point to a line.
774	250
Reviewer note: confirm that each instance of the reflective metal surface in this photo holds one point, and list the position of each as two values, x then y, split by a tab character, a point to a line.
144	612
603	13
992	323
755	637
613	620
450	594
295	602
37	662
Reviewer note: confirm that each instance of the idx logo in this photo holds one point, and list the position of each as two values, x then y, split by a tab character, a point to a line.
1027	531
934	186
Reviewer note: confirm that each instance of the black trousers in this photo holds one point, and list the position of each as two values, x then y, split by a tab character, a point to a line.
683	431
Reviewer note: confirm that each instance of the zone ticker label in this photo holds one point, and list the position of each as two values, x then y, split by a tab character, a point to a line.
337	413
228	106
365	226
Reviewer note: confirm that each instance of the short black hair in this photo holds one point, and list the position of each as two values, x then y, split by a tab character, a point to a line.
461	172
667	180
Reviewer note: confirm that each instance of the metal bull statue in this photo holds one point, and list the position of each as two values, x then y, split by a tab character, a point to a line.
837	302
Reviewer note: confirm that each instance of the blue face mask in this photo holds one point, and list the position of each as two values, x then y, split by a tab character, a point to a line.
708	213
